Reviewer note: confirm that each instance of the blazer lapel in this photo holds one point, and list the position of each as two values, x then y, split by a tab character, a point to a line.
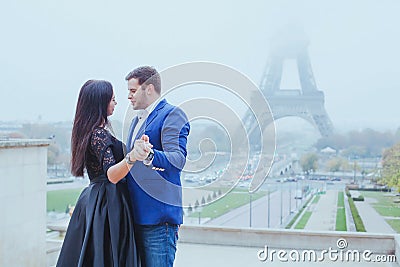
154	114
150	118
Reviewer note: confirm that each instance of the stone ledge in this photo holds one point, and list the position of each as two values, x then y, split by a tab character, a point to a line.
20	143
286	239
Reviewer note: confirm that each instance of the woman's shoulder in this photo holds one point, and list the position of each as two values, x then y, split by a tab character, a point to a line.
103	133
98	130
100	134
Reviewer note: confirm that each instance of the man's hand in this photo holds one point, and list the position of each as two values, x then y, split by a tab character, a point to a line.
141	148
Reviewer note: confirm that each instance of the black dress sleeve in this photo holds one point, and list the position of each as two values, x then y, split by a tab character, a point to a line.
101	144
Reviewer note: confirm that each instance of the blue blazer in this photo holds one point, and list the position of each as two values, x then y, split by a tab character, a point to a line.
155	190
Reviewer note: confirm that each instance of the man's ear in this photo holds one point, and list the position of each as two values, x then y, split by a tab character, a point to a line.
150	89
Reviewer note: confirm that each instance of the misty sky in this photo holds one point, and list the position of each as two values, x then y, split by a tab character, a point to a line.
50	48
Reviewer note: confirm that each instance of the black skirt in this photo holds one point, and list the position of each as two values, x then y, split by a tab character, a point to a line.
101	231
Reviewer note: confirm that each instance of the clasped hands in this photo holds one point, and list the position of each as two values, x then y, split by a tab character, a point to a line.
141	148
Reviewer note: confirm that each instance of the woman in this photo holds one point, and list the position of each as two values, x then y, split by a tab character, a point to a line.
100	232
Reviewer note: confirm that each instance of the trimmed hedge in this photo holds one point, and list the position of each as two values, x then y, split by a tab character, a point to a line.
347	192
356	216
359	198
355	187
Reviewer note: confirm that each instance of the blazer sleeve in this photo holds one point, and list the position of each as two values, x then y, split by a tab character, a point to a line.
174	133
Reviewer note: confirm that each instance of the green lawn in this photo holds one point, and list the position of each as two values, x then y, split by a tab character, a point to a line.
303	221
385	205
229	202
387	210
58	200
340	202
341	220
383	198
395	224
316	199
341	214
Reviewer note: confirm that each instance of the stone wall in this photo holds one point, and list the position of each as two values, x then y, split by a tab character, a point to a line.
23	165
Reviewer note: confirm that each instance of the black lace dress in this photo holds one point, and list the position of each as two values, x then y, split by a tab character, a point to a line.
100	232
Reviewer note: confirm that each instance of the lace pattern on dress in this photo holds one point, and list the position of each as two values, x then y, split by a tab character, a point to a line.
101	157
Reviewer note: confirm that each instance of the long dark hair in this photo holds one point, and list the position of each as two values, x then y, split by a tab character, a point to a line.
91	112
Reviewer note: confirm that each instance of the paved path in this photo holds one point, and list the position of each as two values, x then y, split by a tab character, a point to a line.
240	217
323	217
372	220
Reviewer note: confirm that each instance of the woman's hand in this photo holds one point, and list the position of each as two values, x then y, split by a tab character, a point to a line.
141	148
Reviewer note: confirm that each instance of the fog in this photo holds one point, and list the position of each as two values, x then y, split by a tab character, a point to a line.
50	48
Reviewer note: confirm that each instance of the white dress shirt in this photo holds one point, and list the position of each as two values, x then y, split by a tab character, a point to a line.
142	115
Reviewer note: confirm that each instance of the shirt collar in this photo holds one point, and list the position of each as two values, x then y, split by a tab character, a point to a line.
144	113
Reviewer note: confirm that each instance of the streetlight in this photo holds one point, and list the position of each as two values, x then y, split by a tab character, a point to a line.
297	190
250	208
199	211
281	204
290	199
269	205
355	164
199	217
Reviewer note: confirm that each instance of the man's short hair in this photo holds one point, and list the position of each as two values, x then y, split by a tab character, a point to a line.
147	75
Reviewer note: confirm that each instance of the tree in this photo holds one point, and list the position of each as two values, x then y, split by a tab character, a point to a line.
309	162
335	141
210	138
391	166
397	135
360	144
355	152
53	152
337	164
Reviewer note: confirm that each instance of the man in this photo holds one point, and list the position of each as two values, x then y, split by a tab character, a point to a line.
158	136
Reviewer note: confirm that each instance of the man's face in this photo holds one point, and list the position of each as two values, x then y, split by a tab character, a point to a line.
137	94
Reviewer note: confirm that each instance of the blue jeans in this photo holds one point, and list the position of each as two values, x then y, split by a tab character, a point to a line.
156	244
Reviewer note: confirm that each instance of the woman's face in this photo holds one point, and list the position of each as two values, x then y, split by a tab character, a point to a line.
111	106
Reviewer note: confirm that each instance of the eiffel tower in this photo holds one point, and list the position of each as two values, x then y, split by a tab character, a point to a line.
306	102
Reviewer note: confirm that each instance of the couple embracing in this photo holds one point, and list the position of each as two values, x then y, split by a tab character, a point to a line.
130	213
